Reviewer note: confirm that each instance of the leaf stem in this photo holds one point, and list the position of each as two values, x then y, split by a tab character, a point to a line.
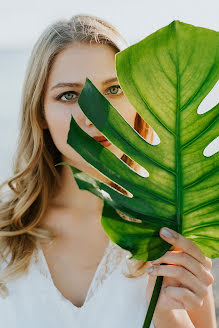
153	301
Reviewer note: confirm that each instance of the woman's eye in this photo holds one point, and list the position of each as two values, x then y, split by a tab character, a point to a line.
114	89
68	95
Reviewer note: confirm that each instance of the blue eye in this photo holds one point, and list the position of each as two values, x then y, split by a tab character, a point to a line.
64	94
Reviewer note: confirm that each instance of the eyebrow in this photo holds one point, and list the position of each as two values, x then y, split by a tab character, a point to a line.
77	84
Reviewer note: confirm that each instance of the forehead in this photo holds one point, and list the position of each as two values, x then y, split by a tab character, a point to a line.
81	60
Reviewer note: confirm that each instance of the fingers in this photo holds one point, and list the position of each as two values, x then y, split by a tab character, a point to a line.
185	277
188	299
187	246
189	263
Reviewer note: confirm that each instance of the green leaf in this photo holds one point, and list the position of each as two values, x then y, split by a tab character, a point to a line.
165	77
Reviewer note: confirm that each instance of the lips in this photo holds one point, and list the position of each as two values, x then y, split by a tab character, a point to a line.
101	139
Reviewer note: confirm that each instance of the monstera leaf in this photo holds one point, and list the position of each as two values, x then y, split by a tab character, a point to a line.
165	77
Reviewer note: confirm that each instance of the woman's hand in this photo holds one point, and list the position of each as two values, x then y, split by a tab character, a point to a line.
186	275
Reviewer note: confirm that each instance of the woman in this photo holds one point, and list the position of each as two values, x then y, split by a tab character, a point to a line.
68	272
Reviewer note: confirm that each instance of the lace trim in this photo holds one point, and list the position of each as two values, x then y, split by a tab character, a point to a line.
39	261
110	261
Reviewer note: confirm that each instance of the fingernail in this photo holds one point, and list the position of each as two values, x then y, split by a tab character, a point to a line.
166	233
149	270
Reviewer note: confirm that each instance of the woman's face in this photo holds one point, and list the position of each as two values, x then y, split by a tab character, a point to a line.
73	65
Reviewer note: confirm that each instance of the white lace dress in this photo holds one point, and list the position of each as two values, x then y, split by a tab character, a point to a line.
112	301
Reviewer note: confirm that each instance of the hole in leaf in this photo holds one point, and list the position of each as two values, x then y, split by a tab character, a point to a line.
134	166
120	189
156	140
143	172
212	148
128	218
210	100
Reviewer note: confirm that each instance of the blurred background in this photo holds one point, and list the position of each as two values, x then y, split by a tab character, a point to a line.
22	22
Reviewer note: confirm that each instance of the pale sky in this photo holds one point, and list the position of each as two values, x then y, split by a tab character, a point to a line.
21	22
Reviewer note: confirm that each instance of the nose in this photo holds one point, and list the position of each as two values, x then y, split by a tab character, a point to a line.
88	122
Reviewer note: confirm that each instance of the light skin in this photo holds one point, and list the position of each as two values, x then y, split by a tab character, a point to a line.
189	268
188	299
78	61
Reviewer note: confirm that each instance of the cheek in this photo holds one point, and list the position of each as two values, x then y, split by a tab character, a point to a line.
126	110
58	124
129	115
132	118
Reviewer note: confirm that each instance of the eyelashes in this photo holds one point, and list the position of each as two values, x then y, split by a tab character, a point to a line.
117	86
65	93
76	93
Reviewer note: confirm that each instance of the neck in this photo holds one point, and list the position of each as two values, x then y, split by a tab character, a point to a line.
73	209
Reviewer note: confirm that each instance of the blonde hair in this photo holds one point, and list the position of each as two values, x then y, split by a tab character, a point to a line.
35	178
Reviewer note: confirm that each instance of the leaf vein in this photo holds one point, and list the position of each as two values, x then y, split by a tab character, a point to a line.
148	107
197	91
200	179
200	206
199	135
